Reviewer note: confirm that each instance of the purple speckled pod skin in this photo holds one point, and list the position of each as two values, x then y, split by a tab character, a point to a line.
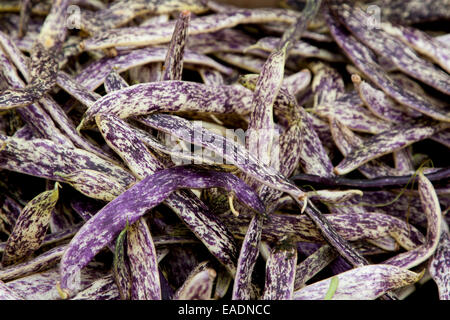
94	75
7	294
114	82
226	40
37	117
33	114
280	274
347	141
380	104
123	139
133	203
121	12
173	65
173	95
101	289
437	51
233	153
361	55
199	287
43	65
261	124
432	209
314	263
414	11
211	77
74	88
403	57
44	158
137	36
300	48
381	278
40	263
440	264
121	269
350	226
387	142
306	128
141	253
31	227
247	258
327	84
348	109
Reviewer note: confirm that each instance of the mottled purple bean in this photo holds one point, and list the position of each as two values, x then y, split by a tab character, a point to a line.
364	283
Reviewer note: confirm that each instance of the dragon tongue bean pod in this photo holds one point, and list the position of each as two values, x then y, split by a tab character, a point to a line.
224	152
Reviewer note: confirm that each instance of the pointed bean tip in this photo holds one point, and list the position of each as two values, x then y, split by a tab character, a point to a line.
356	79
63	293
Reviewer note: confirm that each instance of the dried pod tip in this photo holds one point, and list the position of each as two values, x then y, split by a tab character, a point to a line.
212	273
303	197
63	293
356	79
230	202
185	13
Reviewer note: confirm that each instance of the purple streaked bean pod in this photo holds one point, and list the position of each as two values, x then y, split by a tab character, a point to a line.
121	269
432	209
42	262
421	42
403	57
31	227
350	226
42	285
365	60
133	203
94	184
348	109
439	264
75	89
363	283
380	104
166	96
413	11
44	158
198	287
173	64
143	260
313	264
327	84
226	40
386	142
280	274
94	74
247	62
261	124
121	12
211	77
127	143
149	35
242	288
114	82
100	289
347	141
7	293
229	150
299	48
